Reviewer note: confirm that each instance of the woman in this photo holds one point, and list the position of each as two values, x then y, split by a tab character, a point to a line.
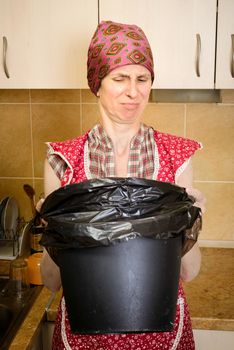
120	74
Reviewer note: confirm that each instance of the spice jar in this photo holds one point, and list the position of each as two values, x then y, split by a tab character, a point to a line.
34	268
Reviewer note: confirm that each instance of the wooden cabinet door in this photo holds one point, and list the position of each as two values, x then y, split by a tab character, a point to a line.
225	45
60	35
47	42
15	27
174	28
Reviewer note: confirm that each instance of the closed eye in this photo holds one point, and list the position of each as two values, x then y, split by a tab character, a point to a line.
120	77
140	78
143	78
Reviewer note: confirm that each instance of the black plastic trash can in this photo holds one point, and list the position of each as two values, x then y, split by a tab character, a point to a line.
118	244
128	287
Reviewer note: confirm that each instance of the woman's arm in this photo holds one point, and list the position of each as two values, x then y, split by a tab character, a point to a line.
49	270
191	261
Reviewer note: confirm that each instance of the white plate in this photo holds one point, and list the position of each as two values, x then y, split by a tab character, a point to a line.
2	209
9	219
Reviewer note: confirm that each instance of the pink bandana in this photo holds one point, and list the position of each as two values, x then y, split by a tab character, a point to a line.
115	45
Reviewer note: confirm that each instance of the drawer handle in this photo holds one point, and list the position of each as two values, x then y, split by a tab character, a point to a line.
4	57
198	54
232	59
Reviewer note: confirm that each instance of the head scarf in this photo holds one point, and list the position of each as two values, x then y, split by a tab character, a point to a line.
115	45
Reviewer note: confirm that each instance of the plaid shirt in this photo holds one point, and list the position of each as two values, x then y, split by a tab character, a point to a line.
101	155
141	154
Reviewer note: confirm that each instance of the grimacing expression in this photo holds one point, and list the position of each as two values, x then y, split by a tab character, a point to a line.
124	93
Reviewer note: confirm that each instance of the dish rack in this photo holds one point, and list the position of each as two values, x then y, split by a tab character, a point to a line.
9	247
10	225
9	240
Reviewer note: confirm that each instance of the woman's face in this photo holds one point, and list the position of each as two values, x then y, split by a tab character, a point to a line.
124	93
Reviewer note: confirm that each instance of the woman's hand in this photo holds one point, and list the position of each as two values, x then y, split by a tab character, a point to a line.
50	273
191	261
49	270
198	196
39	204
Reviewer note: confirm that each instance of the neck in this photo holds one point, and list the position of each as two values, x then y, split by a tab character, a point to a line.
120	134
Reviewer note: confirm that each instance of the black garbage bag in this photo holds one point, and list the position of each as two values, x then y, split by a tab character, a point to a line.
110	210
118	243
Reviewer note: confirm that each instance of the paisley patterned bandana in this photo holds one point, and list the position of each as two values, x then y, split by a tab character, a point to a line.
115	45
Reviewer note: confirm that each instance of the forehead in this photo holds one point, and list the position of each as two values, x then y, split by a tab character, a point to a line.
131	69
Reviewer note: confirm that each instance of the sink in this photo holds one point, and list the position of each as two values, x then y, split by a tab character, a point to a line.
6	317
13	310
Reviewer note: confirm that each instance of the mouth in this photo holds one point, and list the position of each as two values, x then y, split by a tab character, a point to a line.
131	106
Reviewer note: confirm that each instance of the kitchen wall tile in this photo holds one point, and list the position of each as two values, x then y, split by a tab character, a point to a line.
87	96
15	136
167	118
90	116
218	218
52	122
227	96
14	188
14	96
213	125
55	96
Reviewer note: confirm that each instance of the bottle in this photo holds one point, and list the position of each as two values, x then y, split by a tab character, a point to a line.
34	272
37	229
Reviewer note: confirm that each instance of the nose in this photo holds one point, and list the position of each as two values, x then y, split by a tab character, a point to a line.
132	90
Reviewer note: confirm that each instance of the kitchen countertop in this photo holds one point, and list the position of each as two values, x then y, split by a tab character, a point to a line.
210	297
28	331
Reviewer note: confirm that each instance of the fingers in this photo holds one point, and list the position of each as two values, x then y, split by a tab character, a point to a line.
39	204
199	198
38	208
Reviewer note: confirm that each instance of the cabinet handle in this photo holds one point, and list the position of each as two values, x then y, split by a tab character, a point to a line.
232	58
198	53
4	57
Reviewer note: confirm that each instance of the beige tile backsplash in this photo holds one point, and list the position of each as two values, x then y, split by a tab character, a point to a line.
29	118
52	122
165	117
213	125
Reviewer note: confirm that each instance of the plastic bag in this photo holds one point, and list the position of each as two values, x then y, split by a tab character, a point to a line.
101	212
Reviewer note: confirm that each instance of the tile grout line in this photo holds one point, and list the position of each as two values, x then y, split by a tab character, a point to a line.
214	181
215	243
47	103
20	178
31	136
225	104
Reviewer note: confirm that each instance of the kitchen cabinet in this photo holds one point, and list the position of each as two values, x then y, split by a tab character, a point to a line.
182	35
47	42
225	45
14	28
175	29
